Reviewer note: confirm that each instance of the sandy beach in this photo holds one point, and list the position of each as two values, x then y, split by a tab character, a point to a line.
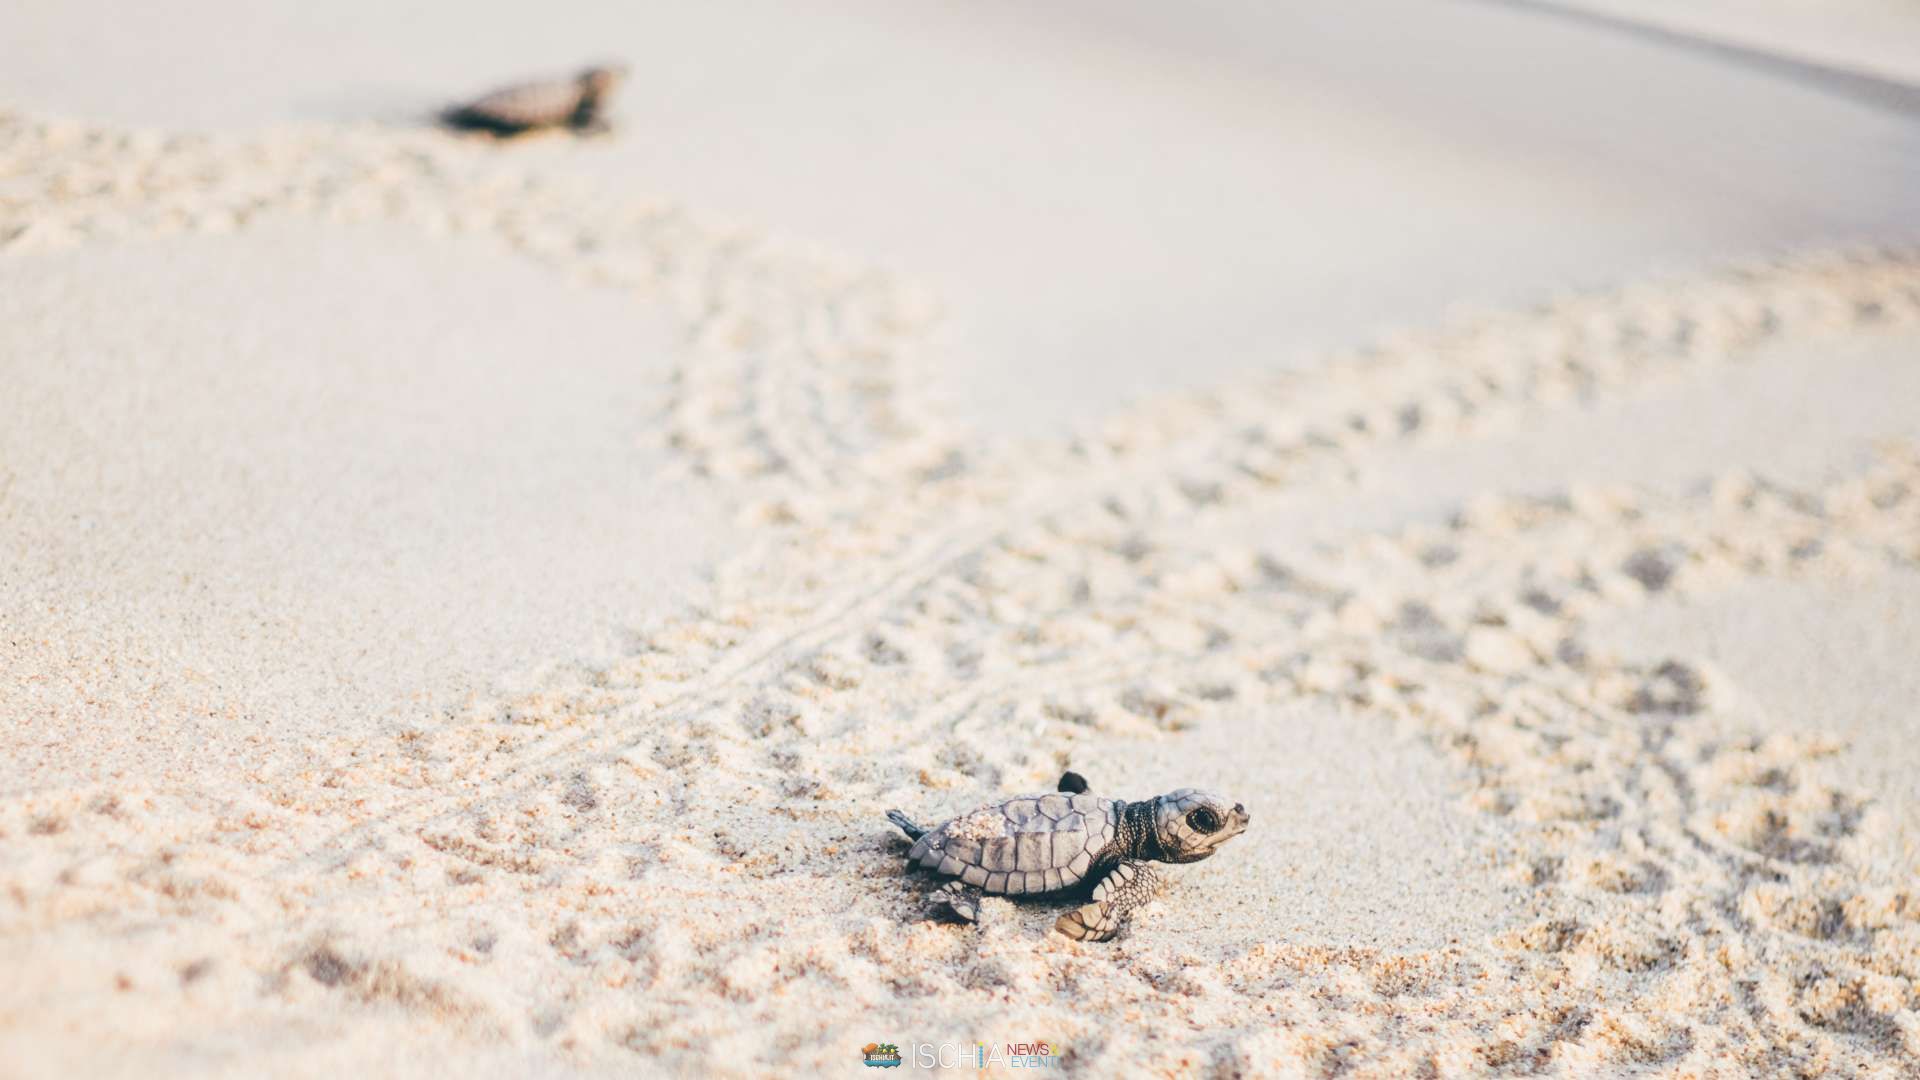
468	606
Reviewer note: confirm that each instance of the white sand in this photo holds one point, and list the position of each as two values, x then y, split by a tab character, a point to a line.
238	528
1836	658
1872	37
1091	188
734	554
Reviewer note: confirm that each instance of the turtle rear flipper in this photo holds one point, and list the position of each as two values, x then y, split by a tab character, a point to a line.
1073	783
469	118
958	899
906	825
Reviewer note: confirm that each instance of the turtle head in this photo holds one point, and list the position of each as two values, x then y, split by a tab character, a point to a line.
1191	825
598	82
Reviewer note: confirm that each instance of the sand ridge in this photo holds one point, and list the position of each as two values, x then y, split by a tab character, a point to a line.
678	858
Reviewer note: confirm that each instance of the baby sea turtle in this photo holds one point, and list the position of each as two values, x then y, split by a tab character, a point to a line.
1070	843
578	103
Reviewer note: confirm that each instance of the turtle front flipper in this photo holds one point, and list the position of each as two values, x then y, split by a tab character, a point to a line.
1126	887
960	898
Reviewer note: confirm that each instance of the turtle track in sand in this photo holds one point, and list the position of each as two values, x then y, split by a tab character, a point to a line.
583	867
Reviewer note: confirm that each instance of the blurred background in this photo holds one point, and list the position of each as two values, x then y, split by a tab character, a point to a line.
1116	198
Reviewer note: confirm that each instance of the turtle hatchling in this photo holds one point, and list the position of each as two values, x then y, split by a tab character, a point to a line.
579	103
1070	844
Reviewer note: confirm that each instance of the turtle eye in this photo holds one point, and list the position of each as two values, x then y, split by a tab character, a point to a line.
1203	820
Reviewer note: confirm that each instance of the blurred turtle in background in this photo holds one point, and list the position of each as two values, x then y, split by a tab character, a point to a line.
578	103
